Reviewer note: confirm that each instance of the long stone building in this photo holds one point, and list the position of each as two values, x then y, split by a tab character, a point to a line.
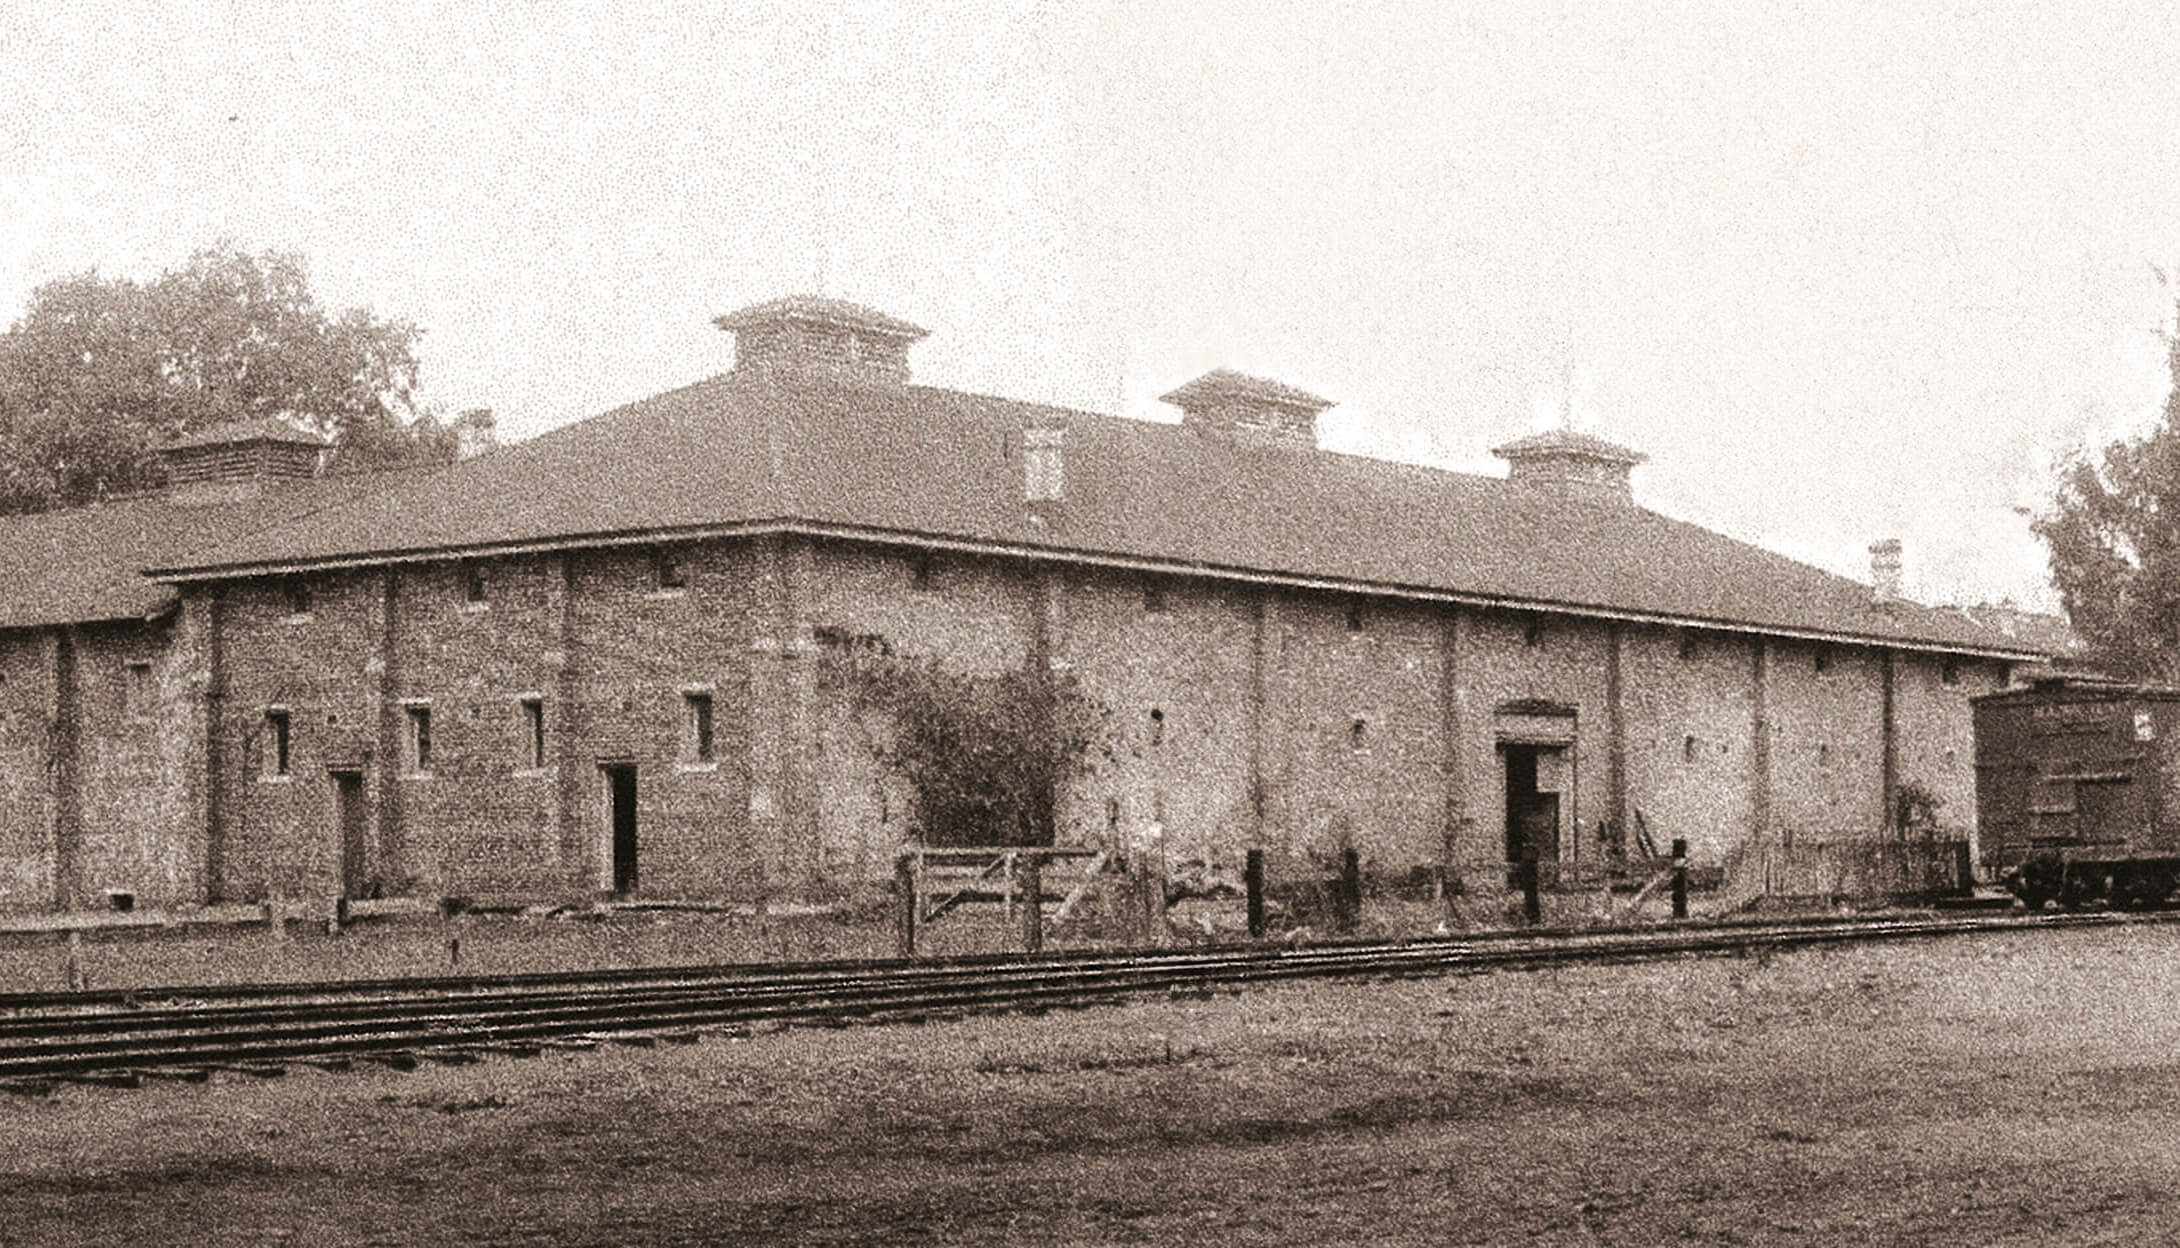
592	662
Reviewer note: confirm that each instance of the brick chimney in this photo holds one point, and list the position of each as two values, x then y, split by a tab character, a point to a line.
232	462
1044	464
1249	411
805	337
1575	464
1885	571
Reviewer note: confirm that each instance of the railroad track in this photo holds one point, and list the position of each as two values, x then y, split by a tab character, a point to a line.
122	1038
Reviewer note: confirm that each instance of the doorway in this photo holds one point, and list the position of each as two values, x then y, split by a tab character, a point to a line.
621	819
350	819
1533	783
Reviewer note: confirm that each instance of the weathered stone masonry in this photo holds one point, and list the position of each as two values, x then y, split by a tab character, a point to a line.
1245	716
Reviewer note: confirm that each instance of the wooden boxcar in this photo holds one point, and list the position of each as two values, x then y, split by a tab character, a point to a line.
2078	791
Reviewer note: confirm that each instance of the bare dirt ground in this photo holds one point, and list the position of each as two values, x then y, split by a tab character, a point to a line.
1991	1090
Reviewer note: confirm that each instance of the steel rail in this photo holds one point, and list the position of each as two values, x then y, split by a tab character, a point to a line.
86	1042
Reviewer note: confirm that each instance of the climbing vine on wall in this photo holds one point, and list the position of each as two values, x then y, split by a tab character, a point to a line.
985	754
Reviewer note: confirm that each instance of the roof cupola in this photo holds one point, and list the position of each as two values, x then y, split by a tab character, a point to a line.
1576	464
812	338
1251	411
227	463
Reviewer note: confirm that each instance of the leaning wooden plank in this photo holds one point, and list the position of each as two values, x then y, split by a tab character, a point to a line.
1089	876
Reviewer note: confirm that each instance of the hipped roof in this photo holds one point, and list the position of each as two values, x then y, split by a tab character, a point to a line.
921	465
83	565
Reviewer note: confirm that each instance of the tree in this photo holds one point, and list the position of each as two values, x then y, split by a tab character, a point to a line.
984	754
2113	531
100	371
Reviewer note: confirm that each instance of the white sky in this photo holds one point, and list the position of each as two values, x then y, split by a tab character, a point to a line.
1842	270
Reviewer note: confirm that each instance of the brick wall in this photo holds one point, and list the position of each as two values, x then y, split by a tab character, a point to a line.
1690	706
1825	708
1510	657
1335	663
137	748
791	801
1936	733
1170	660
26	796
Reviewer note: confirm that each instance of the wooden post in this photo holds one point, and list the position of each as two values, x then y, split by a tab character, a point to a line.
1964	870
1033	903
905	903
1680	878
276	921
1350	908
1151	904
1006	881
77	980
1252	876
1532	903
449	928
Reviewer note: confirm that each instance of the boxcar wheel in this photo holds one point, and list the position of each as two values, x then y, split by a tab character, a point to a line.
2037	881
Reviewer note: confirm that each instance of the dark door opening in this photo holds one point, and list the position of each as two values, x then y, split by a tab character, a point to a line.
1532	813
351	816
621	817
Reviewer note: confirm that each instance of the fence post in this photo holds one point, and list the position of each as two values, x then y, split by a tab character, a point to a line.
1964	871
1532	904
905	902
1680	878
1252	876
1349	909
1033	903
77	980
1007	872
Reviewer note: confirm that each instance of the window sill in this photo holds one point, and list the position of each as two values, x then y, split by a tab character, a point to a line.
418	775
695	768
298	617
475	608
536	773
664	595
278	778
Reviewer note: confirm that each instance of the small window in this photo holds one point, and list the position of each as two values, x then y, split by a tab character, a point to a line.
1822	661
697	727
297	592
1688	749
1355	619
1688	644
1158	726
667	570
1532	633
919	573
1950	672
419	742
136	684
1824	755
277	759
533	730
1358	735
475	591
1154	597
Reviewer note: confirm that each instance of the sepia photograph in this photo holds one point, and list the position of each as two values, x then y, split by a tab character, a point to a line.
1089	622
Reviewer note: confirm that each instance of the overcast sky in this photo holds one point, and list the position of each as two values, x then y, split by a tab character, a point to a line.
1842	271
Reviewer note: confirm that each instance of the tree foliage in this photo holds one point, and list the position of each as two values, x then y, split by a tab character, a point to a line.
985	755
101	370
2113	531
